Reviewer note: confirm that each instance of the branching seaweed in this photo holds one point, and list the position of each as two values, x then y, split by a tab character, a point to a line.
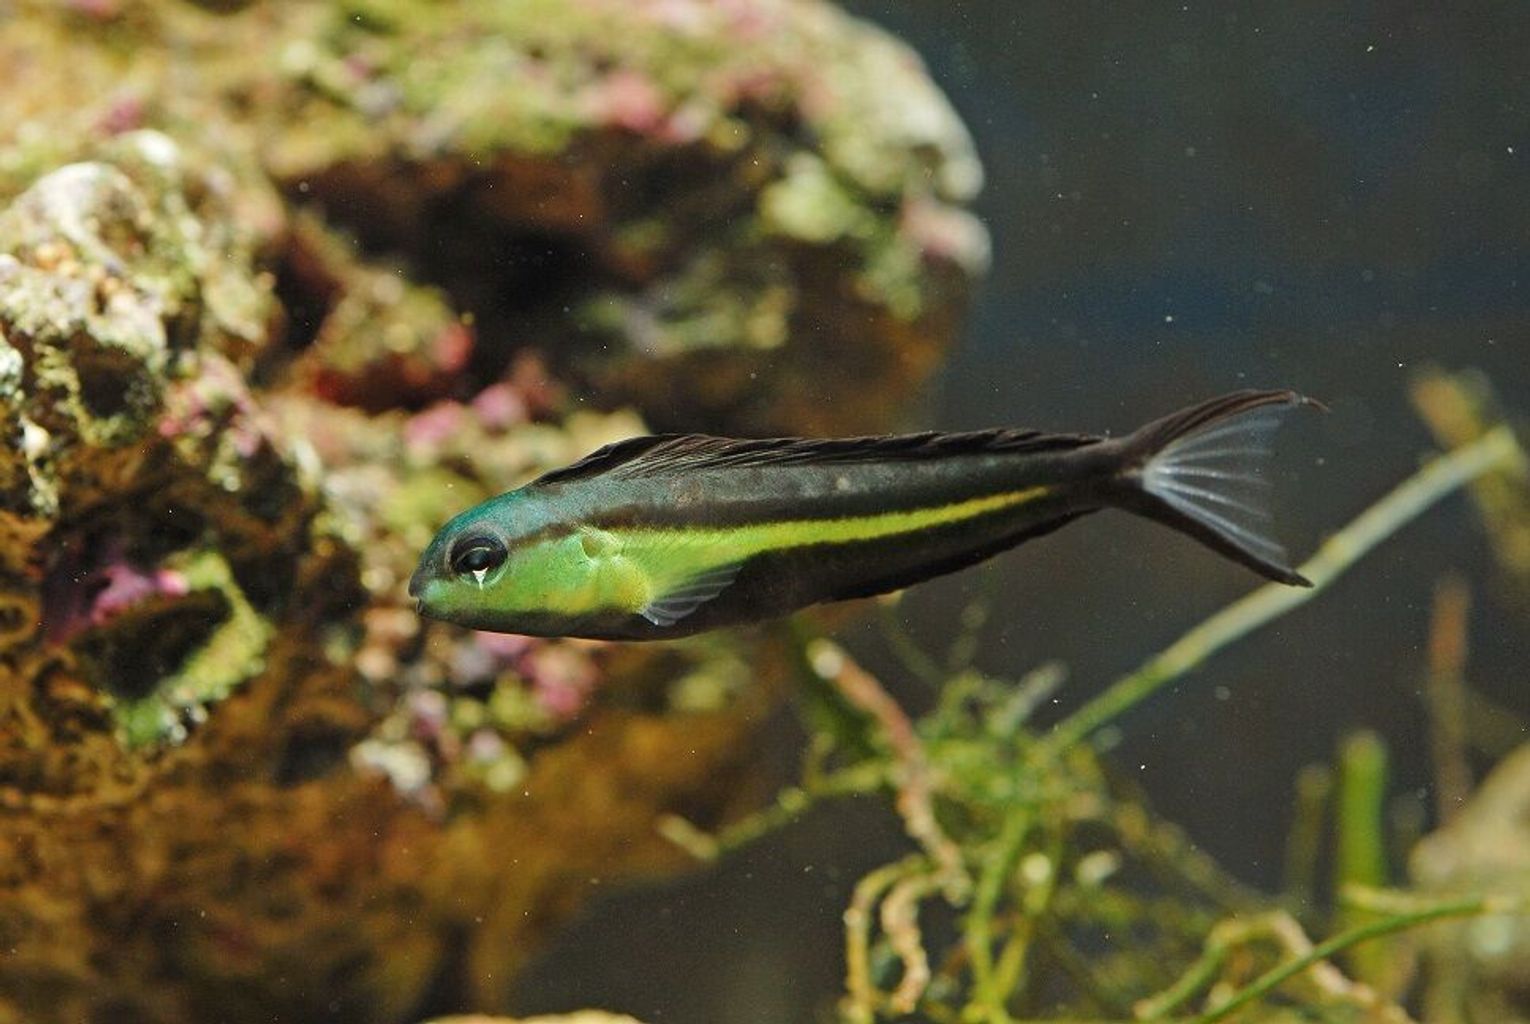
1074	902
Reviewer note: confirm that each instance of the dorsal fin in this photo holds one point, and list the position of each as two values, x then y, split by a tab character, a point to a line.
657	453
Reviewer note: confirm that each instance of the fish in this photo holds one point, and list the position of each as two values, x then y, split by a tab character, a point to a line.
668	535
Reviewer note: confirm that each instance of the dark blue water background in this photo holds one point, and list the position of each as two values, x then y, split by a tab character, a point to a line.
1183	199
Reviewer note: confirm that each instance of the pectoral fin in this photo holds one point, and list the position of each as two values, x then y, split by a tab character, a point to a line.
671	606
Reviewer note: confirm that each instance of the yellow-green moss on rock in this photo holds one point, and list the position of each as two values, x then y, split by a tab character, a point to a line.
283	285
682	204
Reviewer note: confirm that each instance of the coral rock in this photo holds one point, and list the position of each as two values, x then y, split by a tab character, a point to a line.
1481	968
583	1017
283	286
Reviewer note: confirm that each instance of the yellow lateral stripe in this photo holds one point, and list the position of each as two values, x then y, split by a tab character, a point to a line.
734	543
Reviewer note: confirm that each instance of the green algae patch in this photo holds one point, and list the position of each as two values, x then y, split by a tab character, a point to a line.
808	204
426	500
232	653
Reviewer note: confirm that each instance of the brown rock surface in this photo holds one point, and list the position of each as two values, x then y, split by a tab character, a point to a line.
284	285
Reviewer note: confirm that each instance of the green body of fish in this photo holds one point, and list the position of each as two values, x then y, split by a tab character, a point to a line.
664	536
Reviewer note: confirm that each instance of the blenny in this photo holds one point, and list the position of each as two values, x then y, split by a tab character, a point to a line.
668	535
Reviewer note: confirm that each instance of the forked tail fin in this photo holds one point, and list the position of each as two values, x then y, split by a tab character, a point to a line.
1202	471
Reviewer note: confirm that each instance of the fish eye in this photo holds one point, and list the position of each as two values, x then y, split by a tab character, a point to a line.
477	555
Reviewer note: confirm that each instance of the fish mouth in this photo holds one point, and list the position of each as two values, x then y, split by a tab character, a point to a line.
419	586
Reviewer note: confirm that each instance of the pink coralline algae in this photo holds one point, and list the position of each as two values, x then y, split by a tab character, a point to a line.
483	656
215	399
562	679
428	716
428	429
96	10
451	349
527	394
127	585
561	676
126	113
945	234
500	407
77	599
535	385
629	100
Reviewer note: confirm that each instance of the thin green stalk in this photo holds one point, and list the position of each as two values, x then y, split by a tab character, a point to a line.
790	805
1273	978
1201	975
1361	856
1304	842
1496	449
1012	961
988	998
1445	696
973	618
1360	853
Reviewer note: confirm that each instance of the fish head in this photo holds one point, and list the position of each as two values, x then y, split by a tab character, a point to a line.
505	565
464	570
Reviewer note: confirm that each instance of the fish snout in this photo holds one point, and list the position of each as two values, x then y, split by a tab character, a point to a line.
417	582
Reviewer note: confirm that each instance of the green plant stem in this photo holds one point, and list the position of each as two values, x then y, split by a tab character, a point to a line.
1304	841
1276	976
1012	960
1496	449
1361	854
988	997
1445	696
791	804
1197	979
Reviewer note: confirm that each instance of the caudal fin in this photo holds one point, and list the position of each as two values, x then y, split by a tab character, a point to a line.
1202	471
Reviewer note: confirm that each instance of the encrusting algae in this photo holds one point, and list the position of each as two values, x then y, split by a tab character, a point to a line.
703	209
